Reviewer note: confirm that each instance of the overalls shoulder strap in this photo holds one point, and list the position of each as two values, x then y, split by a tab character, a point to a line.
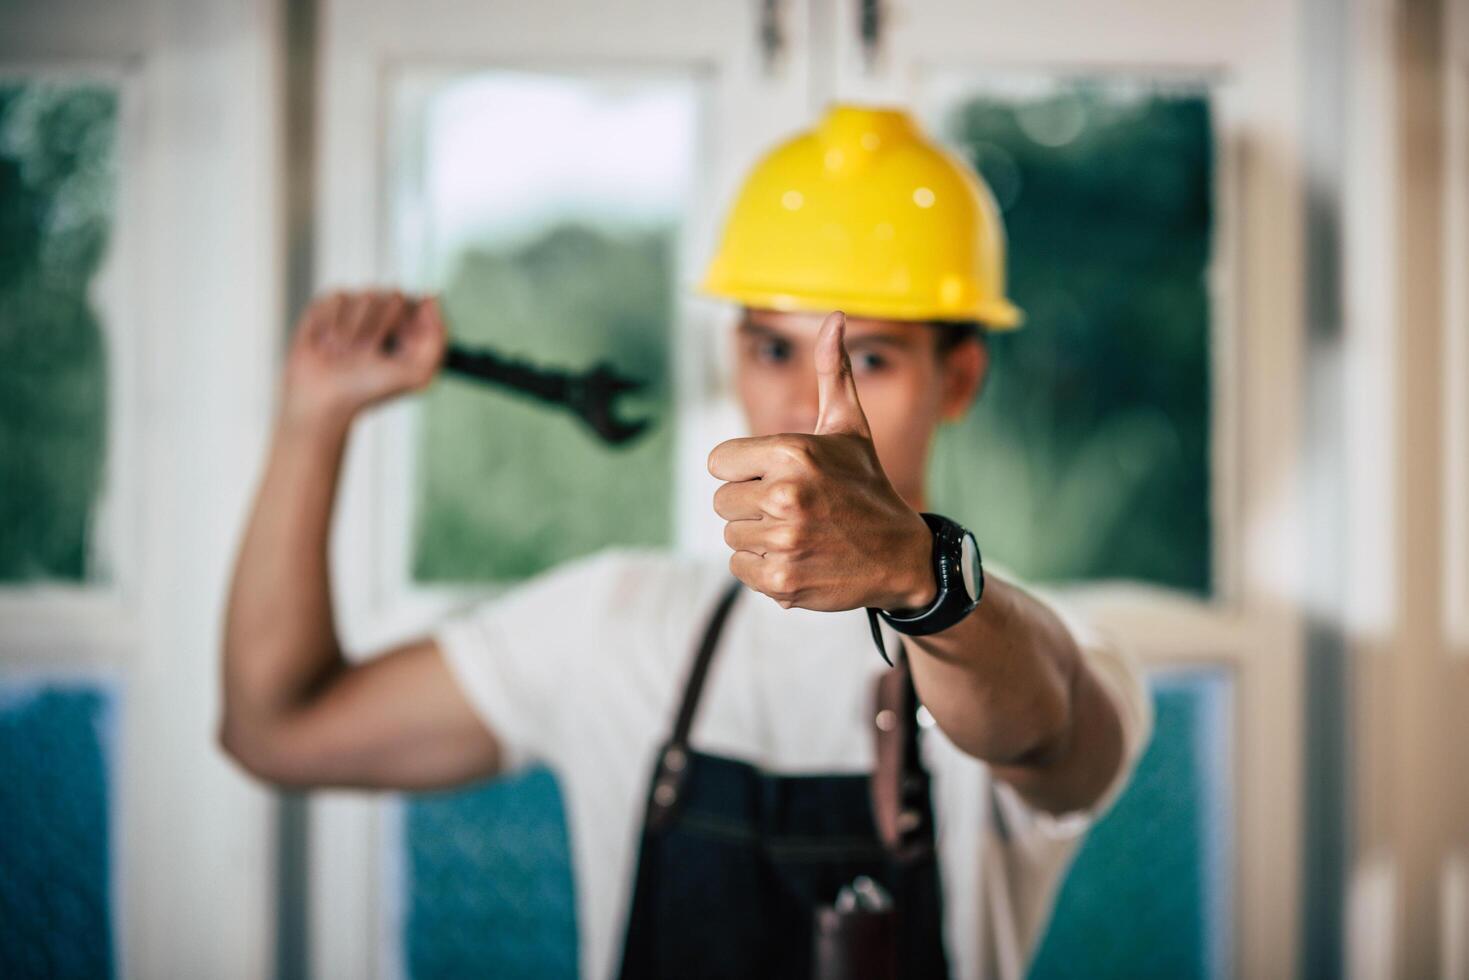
694	687
673	761
900	784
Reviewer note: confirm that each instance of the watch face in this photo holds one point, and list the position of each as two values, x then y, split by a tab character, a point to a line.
969	566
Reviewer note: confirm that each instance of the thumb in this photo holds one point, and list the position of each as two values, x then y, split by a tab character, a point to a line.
837	407
420	340
425	323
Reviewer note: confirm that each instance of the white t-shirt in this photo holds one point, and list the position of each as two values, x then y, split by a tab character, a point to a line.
582	669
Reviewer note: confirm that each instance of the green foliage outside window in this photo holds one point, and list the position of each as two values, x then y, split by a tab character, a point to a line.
57	177
1087	455
545	209
510	488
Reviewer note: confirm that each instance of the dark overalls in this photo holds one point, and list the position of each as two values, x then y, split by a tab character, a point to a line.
735	862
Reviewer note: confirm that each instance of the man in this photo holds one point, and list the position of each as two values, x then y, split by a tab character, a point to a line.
747	772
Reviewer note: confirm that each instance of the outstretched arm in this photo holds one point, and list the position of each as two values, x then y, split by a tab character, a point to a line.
1008	685
814	522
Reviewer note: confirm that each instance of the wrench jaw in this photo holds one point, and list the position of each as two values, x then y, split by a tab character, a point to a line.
593	397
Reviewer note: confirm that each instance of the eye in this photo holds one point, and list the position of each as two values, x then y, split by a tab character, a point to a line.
769	350
868	362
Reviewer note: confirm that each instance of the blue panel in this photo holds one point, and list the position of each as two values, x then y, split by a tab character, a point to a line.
489	888
1149	894
55	889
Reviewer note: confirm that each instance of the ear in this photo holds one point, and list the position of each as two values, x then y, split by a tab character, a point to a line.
964	370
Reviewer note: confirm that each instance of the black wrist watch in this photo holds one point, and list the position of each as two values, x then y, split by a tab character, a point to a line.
960	577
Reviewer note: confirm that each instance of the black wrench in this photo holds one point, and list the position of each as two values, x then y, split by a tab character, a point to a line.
590	394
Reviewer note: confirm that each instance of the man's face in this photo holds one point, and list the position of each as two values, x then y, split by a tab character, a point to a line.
906	386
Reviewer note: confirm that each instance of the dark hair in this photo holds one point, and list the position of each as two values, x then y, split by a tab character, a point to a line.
952	333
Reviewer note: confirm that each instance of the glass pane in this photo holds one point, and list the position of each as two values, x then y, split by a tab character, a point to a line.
1178	811
547	210
56	747
1087	455
57	179
488	886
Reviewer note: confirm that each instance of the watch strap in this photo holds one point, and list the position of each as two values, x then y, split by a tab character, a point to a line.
951	604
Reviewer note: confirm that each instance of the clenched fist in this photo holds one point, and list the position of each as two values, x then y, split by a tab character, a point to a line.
812	518
353	350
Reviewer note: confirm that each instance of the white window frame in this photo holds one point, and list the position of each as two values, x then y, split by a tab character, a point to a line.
1249	56
1251	626
189	360
87	633
94	621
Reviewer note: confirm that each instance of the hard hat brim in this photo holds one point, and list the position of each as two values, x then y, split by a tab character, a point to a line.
995	314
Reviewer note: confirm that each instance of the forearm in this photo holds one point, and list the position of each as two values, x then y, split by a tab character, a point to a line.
1009	686
999	681
280	641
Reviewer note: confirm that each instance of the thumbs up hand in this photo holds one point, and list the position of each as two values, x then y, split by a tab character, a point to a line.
812	518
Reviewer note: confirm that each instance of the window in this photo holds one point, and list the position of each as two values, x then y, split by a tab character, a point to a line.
546	208
58	144
1087	455
57	179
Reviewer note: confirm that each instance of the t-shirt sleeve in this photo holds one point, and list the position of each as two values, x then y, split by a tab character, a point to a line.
1120	676
514	655
1027	850
1117	670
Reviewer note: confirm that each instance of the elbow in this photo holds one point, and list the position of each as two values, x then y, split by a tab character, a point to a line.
236	744
228	738
268	749
249	747
256	721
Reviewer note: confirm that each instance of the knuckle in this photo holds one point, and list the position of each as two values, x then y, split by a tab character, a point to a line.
787	539
781	580
729	535
784	498
795	448
779	498
789	499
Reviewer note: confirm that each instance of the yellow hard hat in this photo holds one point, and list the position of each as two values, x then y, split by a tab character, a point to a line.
864	214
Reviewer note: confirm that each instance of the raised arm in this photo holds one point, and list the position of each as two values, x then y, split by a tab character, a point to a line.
295	710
